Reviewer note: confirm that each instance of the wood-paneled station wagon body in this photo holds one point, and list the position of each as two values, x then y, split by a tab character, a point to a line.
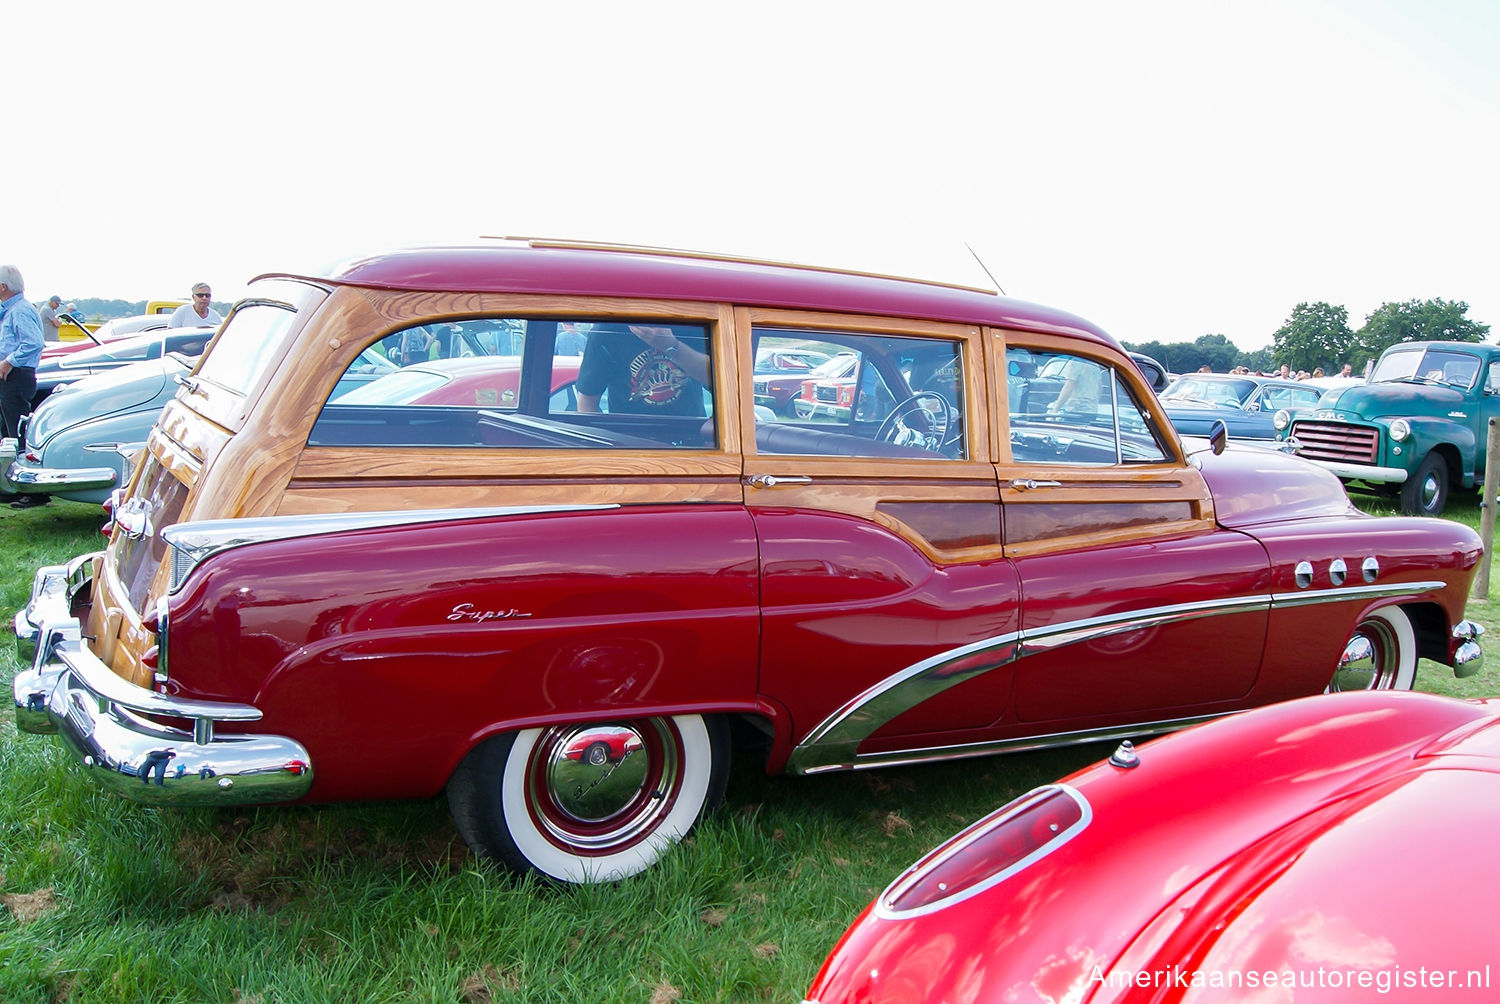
315	593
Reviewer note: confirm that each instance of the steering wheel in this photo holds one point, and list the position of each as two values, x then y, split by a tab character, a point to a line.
895	430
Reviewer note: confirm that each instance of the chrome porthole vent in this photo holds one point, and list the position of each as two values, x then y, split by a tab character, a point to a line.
1304	573
1370	569
1338	572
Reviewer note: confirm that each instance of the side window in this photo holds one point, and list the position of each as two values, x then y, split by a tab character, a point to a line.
1493	382
820	393
1067	409
527	383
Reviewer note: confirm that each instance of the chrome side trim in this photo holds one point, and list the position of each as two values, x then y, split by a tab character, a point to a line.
833	743
192	542
1410	590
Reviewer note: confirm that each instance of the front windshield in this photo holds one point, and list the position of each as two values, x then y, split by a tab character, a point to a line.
1445	366
1233	393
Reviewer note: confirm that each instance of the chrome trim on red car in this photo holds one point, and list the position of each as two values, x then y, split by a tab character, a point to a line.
193	542
968	839
833	743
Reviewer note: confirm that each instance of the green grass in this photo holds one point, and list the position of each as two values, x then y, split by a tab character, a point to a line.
112	901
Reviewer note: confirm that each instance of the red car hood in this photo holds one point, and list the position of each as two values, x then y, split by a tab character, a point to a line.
1207	852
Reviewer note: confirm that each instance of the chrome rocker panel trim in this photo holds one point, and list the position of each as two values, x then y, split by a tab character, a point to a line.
71	693
833	744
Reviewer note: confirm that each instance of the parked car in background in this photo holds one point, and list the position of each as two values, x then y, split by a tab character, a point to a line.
1155	373
1416	429
110	330
789	360
476	381
1246	404
115	353
655	555
779	391
1292	852
76	445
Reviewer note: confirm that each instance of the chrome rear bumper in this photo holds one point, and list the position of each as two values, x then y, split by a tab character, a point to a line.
71	693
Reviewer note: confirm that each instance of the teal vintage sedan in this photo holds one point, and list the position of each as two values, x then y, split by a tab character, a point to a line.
1246	404
76	444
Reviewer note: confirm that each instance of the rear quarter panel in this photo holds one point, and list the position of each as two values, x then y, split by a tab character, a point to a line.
390	652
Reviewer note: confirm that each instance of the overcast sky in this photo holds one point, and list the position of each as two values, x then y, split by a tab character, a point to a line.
1166	169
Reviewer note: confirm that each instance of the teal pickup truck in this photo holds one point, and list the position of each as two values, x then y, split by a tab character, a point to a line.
1416	428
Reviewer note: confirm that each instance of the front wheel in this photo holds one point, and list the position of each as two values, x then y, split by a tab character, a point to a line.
1381	654
522	798
1426	492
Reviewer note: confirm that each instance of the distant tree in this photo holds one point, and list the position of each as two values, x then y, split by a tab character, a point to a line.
1317	334
1417	321
94	308
1216	352
1258	361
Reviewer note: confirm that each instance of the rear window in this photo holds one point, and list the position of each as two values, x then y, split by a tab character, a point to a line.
248	343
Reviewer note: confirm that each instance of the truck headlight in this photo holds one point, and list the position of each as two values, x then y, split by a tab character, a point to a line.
1400	430
1282	420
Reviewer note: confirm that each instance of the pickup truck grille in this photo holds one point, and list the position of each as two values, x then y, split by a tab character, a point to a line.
826	393
1337	441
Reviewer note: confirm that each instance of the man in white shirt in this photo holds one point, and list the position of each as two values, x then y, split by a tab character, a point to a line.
198	312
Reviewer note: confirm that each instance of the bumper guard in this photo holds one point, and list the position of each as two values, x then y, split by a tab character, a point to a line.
71	693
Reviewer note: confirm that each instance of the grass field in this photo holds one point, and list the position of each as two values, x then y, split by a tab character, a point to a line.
110	901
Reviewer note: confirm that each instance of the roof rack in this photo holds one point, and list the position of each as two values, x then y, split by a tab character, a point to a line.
551	242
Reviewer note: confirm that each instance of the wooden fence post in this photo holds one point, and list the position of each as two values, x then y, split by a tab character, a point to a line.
1487	504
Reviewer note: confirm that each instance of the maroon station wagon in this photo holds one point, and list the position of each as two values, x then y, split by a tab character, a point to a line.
565	600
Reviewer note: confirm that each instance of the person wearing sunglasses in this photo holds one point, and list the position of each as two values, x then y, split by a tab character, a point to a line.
198	312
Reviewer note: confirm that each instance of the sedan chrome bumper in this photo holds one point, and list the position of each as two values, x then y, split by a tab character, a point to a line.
22	477
71	693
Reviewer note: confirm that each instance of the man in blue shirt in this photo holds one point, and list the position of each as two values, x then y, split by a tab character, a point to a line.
20	350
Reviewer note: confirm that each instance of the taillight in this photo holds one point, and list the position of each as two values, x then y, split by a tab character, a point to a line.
993	849
157	623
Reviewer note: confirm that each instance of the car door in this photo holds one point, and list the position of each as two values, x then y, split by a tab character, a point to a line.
1136	606
883	579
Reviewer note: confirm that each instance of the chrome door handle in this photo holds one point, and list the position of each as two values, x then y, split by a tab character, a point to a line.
1025	484
772	480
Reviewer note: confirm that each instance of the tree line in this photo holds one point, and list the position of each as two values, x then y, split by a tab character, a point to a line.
1318	335
93	308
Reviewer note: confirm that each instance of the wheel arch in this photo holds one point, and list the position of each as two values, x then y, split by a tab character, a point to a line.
1432	629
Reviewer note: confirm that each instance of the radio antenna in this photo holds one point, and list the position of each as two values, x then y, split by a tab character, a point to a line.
986	269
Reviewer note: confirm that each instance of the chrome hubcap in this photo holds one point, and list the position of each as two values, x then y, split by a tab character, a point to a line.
1429	492
1368	661
597	787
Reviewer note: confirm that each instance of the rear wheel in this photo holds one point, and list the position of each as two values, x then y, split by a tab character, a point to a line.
520	797
1381	654
1426	492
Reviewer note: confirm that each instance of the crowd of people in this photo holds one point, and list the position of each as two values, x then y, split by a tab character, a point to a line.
1285	373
